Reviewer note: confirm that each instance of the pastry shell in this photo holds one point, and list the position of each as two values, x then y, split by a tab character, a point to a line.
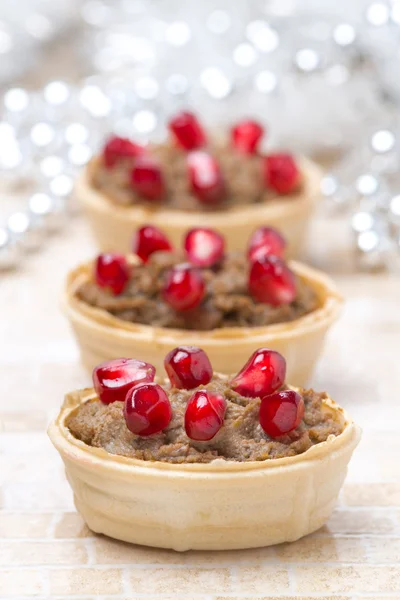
101	336
217	506
113	225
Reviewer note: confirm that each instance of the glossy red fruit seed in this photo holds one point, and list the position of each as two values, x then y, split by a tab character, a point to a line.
150	239
246	135
147	179
111	271
281	412
264	242
263	374
184	287
281	173
271	281
187	130
118	148
113	379
204	247
205	178
188	367
147	409
204	415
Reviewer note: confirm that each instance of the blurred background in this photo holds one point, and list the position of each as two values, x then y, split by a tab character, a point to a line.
324	79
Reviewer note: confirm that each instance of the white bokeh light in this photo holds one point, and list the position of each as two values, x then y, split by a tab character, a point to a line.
178	33
262	36
244	55
383	141
215	82
265	81
307	59
56	93
16	100
144	121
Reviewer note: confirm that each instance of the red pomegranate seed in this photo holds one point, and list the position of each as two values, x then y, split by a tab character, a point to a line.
281	173
204	415
263	374
112	379
147	179
111	271
150	239
118	148
281	412
205	177
187	130
246	135
271	281
204	247
147	409
188	367
184	287
265	241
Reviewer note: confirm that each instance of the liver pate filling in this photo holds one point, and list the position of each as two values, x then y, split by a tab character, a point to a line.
240	439
242	176
227	302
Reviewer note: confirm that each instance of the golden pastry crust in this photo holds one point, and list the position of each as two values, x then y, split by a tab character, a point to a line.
216	506
101	336
113	225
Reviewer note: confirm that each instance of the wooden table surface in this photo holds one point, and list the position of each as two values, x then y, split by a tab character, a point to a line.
47	552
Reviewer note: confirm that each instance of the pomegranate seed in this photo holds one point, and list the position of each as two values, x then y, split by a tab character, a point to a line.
150	239
111	271
147	409
147	179
263	374
265	241
113	379
204	415
281	173
271	281
204	246
184	287
187	130
246	135
281	412
118	148
188	367
205	177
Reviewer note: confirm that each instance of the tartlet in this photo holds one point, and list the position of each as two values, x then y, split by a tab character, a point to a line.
288	209
222	504
102	335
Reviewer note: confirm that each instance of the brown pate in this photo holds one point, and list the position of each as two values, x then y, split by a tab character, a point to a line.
227	302
242	176
240	439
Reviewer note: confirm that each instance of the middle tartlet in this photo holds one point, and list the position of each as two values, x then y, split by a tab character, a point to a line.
227	303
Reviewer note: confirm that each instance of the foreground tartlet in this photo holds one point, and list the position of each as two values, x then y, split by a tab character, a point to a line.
189	181
234	462
121	305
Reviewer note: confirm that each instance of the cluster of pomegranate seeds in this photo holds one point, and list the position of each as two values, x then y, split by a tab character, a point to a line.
246	136
188	367
264	242
281	173
183	287
187	131
111	271
147	409
263	374
112	379
281	412
150	239
118	148
205	177
204	416
271	281
204	246
147	179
